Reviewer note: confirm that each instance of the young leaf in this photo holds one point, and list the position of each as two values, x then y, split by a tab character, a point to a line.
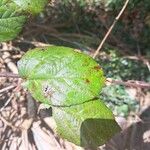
89	124
31	6
61	76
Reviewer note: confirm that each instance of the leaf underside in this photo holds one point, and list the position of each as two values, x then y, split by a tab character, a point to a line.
70	81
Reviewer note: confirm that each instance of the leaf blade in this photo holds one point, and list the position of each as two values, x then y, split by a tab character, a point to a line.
57	69
11	21
89	124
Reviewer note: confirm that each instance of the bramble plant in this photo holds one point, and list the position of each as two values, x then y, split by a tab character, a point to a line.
62	78
13	15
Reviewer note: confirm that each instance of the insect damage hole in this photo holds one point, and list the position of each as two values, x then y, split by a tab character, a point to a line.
48	91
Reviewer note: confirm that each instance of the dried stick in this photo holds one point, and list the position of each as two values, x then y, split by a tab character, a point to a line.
110	29
8	123
7	88
7	102
9	75
131	83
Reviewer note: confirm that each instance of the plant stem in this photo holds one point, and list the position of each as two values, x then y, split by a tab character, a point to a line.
110	29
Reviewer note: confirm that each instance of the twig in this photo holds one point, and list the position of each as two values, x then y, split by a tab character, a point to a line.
7	58
144	60
6	140
7	88
131	83
35	43
148	65
110	29
9	75
7	102
8	123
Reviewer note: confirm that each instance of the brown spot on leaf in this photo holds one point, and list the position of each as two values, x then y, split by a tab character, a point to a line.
87	81
33	87
86	62
97	68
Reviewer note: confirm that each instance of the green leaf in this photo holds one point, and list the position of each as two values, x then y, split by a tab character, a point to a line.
89	124
70	81
31	6
13	16
61	76
11	21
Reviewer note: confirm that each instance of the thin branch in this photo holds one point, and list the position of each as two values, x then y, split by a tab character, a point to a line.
7	102
131	83
8	123
7	88
110	29
9	75
144	60
37	44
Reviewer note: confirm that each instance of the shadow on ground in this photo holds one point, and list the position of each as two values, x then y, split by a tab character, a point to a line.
135	137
